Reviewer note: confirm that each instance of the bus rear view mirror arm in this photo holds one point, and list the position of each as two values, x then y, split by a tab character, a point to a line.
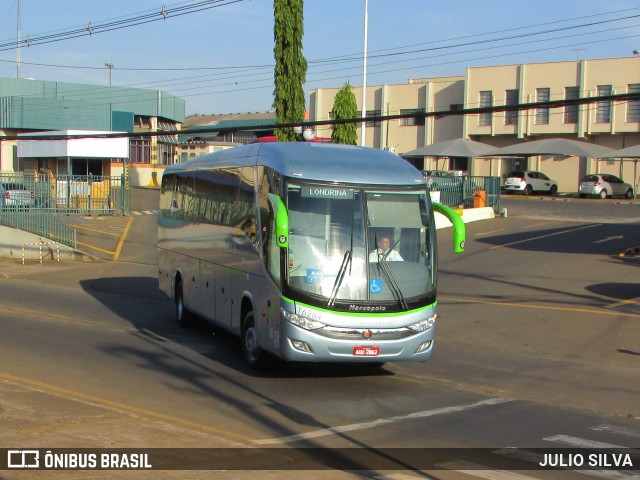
281	220
459	230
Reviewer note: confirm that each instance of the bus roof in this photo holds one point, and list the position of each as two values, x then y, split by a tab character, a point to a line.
314	161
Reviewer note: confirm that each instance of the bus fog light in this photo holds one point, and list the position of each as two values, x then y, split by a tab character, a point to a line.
424	346
423	325
300	345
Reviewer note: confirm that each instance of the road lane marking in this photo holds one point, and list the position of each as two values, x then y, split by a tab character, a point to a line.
577	442
117	406
116	255
97	230
608	239
93	247
540	307
481	471
479	234
623	303
324	432
629	432
544	236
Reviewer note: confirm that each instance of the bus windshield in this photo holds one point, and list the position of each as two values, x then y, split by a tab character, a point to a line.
355	248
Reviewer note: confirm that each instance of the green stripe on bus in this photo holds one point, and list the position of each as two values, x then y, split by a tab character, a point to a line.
360	314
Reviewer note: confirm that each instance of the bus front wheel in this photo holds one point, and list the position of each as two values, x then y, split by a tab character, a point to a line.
253	355
182	314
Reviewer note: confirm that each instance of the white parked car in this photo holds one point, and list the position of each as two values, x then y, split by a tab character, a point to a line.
604	186
528	182
16	195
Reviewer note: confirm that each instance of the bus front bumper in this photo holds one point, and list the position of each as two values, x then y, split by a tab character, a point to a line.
302	345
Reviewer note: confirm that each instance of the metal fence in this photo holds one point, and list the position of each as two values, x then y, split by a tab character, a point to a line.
75	194
467	191
53	196
39	222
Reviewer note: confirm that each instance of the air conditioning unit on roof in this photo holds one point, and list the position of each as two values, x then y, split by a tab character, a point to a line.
389	148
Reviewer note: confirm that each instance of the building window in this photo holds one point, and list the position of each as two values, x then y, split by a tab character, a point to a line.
411	121
511	116
603	108
542	114
633	106
371	113
140	150
571	111
486	100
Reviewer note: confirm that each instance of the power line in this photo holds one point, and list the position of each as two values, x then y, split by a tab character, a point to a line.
256	74
108	26
618	98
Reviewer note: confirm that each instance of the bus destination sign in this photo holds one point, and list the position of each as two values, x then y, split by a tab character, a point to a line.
328	192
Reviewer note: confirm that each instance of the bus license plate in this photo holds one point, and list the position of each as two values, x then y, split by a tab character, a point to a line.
372	351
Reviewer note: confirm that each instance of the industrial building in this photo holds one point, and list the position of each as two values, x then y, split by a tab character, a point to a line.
32	106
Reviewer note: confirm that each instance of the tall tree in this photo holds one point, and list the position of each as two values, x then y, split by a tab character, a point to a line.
345	107
291	66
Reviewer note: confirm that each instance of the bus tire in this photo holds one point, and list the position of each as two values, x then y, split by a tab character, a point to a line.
182	314
253	355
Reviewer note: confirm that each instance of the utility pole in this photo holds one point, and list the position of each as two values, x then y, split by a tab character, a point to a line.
577	50
110	66
363	136
18	39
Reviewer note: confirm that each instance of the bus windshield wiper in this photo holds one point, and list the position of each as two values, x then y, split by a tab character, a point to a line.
382	261
346	261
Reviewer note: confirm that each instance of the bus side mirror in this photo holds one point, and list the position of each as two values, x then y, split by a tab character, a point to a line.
459	230
281	220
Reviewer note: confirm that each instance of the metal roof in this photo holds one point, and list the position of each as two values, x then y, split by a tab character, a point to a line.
214	129
37	104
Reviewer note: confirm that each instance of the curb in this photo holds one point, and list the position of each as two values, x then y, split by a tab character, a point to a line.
468	215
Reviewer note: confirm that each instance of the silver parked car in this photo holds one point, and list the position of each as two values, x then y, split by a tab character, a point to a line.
528	182
604	186
16	195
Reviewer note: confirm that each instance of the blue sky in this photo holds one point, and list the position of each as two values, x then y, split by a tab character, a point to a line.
220	60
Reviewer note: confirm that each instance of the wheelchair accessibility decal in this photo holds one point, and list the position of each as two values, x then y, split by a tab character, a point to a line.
375	286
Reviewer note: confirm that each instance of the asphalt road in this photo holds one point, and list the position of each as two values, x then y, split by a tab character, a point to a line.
538	346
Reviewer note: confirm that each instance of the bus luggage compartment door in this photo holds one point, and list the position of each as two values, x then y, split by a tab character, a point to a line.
224	296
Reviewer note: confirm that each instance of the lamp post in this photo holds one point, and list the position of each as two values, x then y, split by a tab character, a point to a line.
363	136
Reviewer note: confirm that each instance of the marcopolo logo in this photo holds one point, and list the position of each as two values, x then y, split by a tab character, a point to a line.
23	459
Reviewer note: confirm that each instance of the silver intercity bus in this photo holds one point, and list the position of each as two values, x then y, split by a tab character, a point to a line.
309	252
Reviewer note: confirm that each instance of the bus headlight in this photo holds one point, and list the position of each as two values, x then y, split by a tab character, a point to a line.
302	321
423	325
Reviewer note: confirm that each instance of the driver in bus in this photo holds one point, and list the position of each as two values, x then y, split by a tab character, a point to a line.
384	244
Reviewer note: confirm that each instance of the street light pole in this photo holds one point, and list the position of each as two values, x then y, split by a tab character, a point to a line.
363	135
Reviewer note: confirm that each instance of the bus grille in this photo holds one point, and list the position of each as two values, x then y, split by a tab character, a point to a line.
380	334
